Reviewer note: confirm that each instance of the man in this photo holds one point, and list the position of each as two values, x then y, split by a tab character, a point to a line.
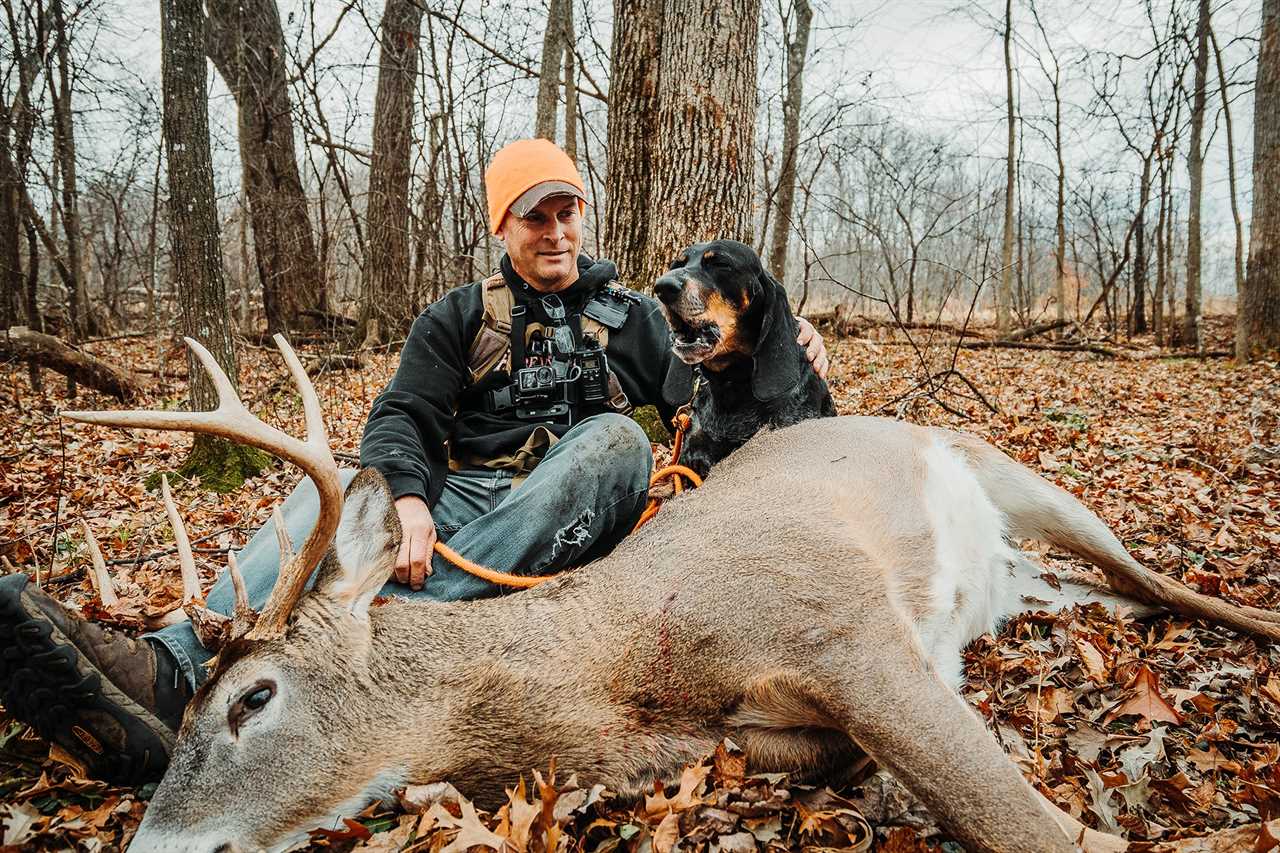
503	432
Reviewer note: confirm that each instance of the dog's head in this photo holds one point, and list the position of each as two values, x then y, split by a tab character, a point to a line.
723	308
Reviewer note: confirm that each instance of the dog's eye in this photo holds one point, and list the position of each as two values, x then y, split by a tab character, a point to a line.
679	262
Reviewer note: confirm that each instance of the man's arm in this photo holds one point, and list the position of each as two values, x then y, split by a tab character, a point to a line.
404	437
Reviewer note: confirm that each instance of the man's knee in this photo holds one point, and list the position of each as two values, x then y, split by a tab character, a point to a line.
622	438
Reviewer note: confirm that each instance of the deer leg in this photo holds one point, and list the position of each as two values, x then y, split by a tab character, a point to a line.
892	704
1034	507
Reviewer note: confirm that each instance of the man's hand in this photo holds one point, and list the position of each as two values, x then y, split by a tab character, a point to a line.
413	563
814	349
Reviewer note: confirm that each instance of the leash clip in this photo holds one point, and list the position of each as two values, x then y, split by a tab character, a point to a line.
684	415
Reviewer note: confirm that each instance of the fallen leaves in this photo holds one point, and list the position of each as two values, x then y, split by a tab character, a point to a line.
1145	700
1159	730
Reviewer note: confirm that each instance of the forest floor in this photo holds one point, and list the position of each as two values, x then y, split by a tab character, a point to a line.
1156	729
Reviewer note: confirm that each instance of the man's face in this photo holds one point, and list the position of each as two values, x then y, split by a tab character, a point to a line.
544	245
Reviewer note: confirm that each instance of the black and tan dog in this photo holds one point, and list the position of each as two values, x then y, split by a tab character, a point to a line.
730	319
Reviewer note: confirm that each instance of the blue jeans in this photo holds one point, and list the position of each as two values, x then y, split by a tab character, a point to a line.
581	500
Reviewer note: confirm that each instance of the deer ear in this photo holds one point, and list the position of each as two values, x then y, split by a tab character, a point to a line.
365	546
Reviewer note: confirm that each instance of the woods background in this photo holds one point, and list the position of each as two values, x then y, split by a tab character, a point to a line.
1025	162
1052	224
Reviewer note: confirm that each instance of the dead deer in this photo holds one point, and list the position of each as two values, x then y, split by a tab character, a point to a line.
810	601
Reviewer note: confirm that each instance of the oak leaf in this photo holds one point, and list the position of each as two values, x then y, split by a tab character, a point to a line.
1146	701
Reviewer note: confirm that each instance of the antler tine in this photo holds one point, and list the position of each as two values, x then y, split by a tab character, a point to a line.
243	616
237	583
233	421
314	418
186	560
101	578
283	541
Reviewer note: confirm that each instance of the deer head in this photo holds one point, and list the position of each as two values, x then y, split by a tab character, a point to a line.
300	668
277	715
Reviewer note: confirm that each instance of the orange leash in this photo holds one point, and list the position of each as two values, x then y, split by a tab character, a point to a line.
500	578
676	472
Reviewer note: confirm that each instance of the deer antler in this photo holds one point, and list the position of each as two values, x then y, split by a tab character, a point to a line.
212	629
101	577
231	420
186	560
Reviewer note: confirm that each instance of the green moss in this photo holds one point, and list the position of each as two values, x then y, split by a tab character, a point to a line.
651	422
218	464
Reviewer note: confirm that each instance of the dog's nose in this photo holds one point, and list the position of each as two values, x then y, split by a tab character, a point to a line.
667	288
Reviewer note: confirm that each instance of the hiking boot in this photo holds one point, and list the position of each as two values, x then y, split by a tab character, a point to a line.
112	702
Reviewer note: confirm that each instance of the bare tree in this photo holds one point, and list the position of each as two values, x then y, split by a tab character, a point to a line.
570	84
1053	74
1231	164
385	278
797	47
246	43
1258	312
1004	297
64	144
193	220
1195	170
635	55
703	181
554	44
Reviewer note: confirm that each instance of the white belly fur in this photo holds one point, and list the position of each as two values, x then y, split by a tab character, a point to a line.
971	589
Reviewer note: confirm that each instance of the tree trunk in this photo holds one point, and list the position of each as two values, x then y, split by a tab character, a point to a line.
1231	184
247	46
1195	172
1004	297
632	141
1139	325
797	47
385	277
570	85
1260	308
193	222
705	153
1060	260
1157	300
11	281
549	73
64	143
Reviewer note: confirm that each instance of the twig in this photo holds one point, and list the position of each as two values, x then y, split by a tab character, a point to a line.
155	555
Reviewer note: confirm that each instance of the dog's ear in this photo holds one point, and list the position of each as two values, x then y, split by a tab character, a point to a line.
677	382
777	367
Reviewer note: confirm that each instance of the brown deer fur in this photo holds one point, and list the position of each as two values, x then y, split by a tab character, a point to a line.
803	601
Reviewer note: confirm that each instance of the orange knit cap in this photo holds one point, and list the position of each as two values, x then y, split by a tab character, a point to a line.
522	165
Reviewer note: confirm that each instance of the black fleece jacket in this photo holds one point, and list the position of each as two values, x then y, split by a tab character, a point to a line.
428	401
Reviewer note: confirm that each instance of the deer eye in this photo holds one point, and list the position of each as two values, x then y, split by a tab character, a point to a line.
250	702
255	700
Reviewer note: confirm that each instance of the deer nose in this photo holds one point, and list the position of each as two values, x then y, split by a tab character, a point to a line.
668	288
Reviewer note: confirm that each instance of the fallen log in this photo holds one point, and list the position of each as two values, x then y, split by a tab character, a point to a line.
853	325
19	342
1096	349
1038	329
328	319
